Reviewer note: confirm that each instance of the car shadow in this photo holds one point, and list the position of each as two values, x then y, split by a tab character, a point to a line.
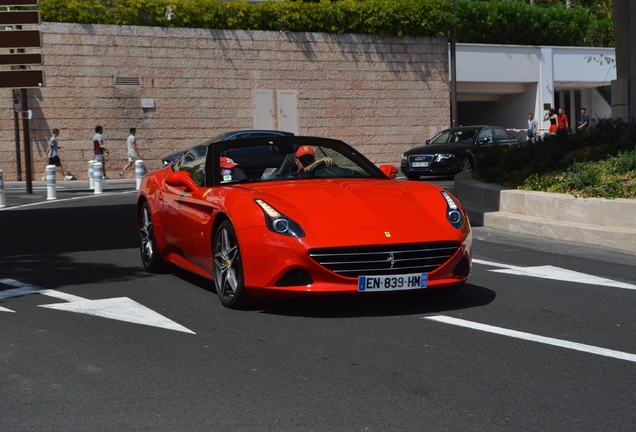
361	305
378	304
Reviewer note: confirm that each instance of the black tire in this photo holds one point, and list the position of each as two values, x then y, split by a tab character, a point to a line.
465	164
413	176
228	268
150	256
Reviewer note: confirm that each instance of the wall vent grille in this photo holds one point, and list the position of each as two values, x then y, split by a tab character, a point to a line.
127	81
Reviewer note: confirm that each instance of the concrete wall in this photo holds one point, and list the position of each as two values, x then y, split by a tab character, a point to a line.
382	95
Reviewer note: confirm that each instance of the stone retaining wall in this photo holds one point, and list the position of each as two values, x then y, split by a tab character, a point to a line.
382	95
594	221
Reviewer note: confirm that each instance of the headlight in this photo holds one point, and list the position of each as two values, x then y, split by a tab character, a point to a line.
404	159
278	222
443	156
453	212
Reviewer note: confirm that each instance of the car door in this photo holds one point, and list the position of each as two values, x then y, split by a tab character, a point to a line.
182	207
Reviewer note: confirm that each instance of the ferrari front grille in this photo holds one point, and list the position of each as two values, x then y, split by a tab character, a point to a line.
386	259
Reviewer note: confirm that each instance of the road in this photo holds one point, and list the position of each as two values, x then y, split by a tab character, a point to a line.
541	338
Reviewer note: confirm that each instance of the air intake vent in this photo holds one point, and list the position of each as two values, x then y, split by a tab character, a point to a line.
127	81
385	260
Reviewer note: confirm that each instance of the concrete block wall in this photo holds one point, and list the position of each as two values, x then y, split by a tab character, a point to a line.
594	221
383	95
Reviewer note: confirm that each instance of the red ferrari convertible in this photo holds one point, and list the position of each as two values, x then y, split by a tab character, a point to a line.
289	216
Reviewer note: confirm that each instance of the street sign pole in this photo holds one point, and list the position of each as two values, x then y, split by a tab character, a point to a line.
16	124
27	142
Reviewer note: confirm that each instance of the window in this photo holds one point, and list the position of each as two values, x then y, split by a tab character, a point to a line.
193	161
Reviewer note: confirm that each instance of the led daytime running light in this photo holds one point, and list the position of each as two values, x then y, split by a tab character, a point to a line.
271	211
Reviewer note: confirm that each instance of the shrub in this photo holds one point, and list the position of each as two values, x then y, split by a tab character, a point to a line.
598	162
495	21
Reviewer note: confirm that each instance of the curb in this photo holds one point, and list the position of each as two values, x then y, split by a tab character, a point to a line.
593	221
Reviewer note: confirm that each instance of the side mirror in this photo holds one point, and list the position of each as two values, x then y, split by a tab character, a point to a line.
389	170
427	141
181	179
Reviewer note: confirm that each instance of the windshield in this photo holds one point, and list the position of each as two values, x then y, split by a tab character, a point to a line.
289	158
466	136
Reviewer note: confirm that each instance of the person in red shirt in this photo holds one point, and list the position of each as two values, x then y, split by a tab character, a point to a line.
563	126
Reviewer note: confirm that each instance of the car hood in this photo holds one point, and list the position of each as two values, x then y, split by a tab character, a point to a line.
438	148
364	209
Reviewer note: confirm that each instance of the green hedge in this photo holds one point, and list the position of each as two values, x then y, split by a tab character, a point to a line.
378	17
495	21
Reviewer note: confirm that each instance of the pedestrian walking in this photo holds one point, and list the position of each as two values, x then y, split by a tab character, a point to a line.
53	156
133	153
584	122
533	126
99	149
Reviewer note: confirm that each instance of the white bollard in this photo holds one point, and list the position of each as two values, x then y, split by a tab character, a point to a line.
91	178
3	203
97	177
51	193
139	172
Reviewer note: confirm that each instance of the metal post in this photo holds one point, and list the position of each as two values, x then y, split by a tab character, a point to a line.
3	202
51	193
27	142
453	73
91	177
139	172
16	125
97	177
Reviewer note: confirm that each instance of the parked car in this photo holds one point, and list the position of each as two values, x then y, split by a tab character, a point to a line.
452	150
236	213
228	136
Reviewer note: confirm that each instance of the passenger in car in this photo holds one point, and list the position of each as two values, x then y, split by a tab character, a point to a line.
230	170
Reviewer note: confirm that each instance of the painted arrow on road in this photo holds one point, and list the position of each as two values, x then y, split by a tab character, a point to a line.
555	273
120	308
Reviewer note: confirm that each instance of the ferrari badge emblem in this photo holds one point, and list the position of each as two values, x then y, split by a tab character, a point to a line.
387	234
391	259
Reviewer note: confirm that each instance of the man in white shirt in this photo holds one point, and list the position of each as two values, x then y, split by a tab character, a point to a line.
533	125
133	153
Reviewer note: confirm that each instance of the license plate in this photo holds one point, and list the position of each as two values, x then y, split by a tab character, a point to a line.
419	164
392	283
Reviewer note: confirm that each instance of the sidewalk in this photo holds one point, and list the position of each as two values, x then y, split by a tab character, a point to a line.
15	192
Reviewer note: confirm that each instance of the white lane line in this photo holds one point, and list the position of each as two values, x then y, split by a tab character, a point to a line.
534	338
2	309
555	273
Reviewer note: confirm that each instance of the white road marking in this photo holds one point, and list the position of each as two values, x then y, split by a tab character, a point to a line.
121	309
5	310
534	338
555	273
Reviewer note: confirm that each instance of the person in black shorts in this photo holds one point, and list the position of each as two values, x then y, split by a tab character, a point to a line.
52	154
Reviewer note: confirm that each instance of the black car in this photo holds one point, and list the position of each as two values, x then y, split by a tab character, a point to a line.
228	136
452	150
